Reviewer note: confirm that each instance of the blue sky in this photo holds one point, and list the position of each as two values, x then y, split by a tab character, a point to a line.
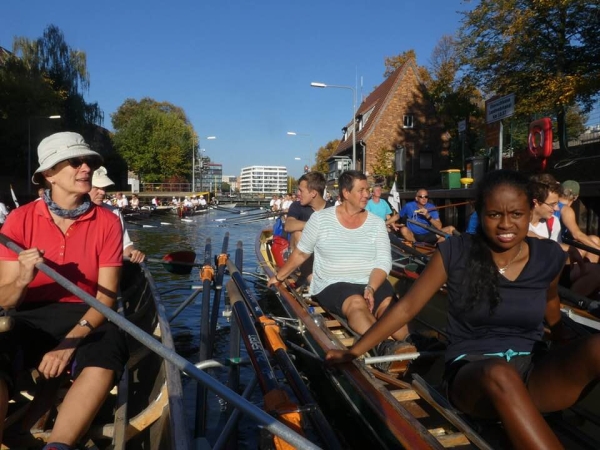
241	70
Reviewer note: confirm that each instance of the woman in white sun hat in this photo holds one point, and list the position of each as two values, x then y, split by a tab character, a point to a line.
54	329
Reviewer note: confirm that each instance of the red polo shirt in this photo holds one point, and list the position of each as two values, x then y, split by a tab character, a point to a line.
94	240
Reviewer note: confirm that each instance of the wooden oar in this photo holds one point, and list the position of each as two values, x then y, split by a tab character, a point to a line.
435	208
277	347
263	418
429	228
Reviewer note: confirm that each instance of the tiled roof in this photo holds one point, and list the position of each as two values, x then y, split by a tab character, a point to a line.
378	99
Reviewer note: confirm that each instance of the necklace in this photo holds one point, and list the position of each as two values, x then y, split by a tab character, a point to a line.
501	270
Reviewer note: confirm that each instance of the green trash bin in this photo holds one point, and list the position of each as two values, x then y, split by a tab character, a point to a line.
450	179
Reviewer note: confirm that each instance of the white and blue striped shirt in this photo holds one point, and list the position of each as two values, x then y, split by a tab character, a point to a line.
342	254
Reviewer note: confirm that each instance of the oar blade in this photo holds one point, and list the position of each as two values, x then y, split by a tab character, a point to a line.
186	256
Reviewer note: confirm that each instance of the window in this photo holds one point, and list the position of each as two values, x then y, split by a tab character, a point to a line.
408	121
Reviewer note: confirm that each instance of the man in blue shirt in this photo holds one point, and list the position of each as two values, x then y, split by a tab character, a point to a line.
423	212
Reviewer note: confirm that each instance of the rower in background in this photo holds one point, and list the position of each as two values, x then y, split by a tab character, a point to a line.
423	212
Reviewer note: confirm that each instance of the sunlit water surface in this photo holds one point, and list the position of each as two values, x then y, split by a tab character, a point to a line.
165	234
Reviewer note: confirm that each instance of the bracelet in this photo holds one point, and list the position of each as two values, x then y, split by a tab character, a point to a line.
368	286
278	280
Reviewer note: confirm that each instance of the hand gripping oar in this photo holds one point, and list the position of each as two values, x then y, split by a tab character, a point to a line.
270	423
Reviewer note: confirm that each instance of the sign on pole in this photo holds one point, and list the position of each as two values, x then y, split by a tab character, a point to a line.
462	126
500	108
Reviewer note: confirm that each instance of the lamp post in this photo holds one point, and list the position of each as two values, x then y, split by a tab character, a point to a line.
56	116
323	85
293	133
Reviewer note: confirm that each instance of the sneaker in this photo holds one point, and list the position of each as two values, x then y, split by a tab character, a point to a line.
390	347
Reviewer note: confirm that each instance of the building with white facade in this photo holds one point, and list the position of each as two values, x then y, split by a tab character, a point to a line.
264	180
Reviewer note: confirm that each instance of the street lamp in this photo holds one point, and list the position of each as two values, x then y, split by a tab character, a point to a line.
323	85
194	161
56	116
293	133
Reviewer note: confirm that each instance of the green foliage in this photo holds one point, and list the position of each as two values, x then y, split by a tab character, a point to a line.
155	139
543	51
383	166
323	154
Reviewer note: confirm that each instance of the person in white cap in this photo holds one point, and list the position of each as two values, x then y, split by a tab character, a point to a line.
100	182
54	328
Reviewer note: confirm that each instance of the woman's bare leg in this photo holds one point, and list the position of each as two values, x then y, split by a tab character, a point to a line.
81	404
492	388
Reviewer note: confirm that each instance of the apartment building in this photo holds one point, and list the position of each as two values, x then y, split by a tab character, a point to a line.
264	180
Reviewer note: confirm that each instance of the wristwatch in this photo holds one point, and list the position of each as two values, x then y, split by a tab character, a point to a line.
85	323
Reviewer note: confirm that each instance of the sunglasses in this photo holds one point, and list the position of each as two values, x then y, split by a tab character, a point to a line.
423	196
90	161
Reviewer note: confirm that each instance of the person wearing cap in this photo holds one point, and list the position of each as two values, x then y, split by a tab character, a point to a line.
568	219
100	182
54	328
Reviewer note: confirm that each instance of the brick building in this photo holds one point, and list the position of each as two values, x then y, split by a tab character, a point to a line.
396	114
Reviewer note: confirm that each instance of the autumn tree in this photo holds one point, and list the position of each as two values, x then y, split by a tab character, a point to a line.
543	51
323	154
155	139
454	96
393	62
383	168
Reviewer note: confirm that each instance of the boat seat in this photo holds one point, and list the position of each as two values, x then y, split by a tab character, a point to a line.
469	428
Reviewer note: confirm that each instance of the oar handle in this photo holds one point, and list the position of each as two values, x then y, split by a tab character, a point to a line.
428	228
580	245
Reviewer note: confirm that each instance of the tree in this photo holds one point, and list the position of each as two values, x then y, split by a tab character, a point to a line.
323	154
393	62
383	167
23	94
455	98
155	139
543	51
67	69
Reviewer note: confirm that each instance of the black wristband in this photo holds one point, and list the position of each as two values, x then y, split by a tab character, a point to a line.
277	278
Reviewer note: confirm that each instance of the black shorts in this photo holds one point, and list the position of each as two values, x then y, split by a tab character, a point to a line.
38	328
333	296
523	364
429	237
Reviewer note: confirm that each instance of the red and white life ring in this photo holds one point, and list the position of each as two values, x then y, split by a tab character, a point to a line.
540	139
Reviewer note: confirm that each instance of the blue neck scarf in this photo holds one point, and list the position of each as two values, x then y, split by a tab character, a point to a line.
67	213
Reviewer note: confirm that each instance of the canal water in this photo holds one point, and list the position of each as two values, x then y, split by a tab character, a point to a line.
168	233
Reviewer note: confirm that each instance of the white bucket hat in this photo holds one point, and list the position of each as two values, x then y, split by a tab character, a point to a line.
100	178
59	147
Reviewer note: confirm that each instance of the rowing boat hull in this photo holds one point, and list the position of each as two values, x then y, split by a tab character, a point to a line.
146	410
